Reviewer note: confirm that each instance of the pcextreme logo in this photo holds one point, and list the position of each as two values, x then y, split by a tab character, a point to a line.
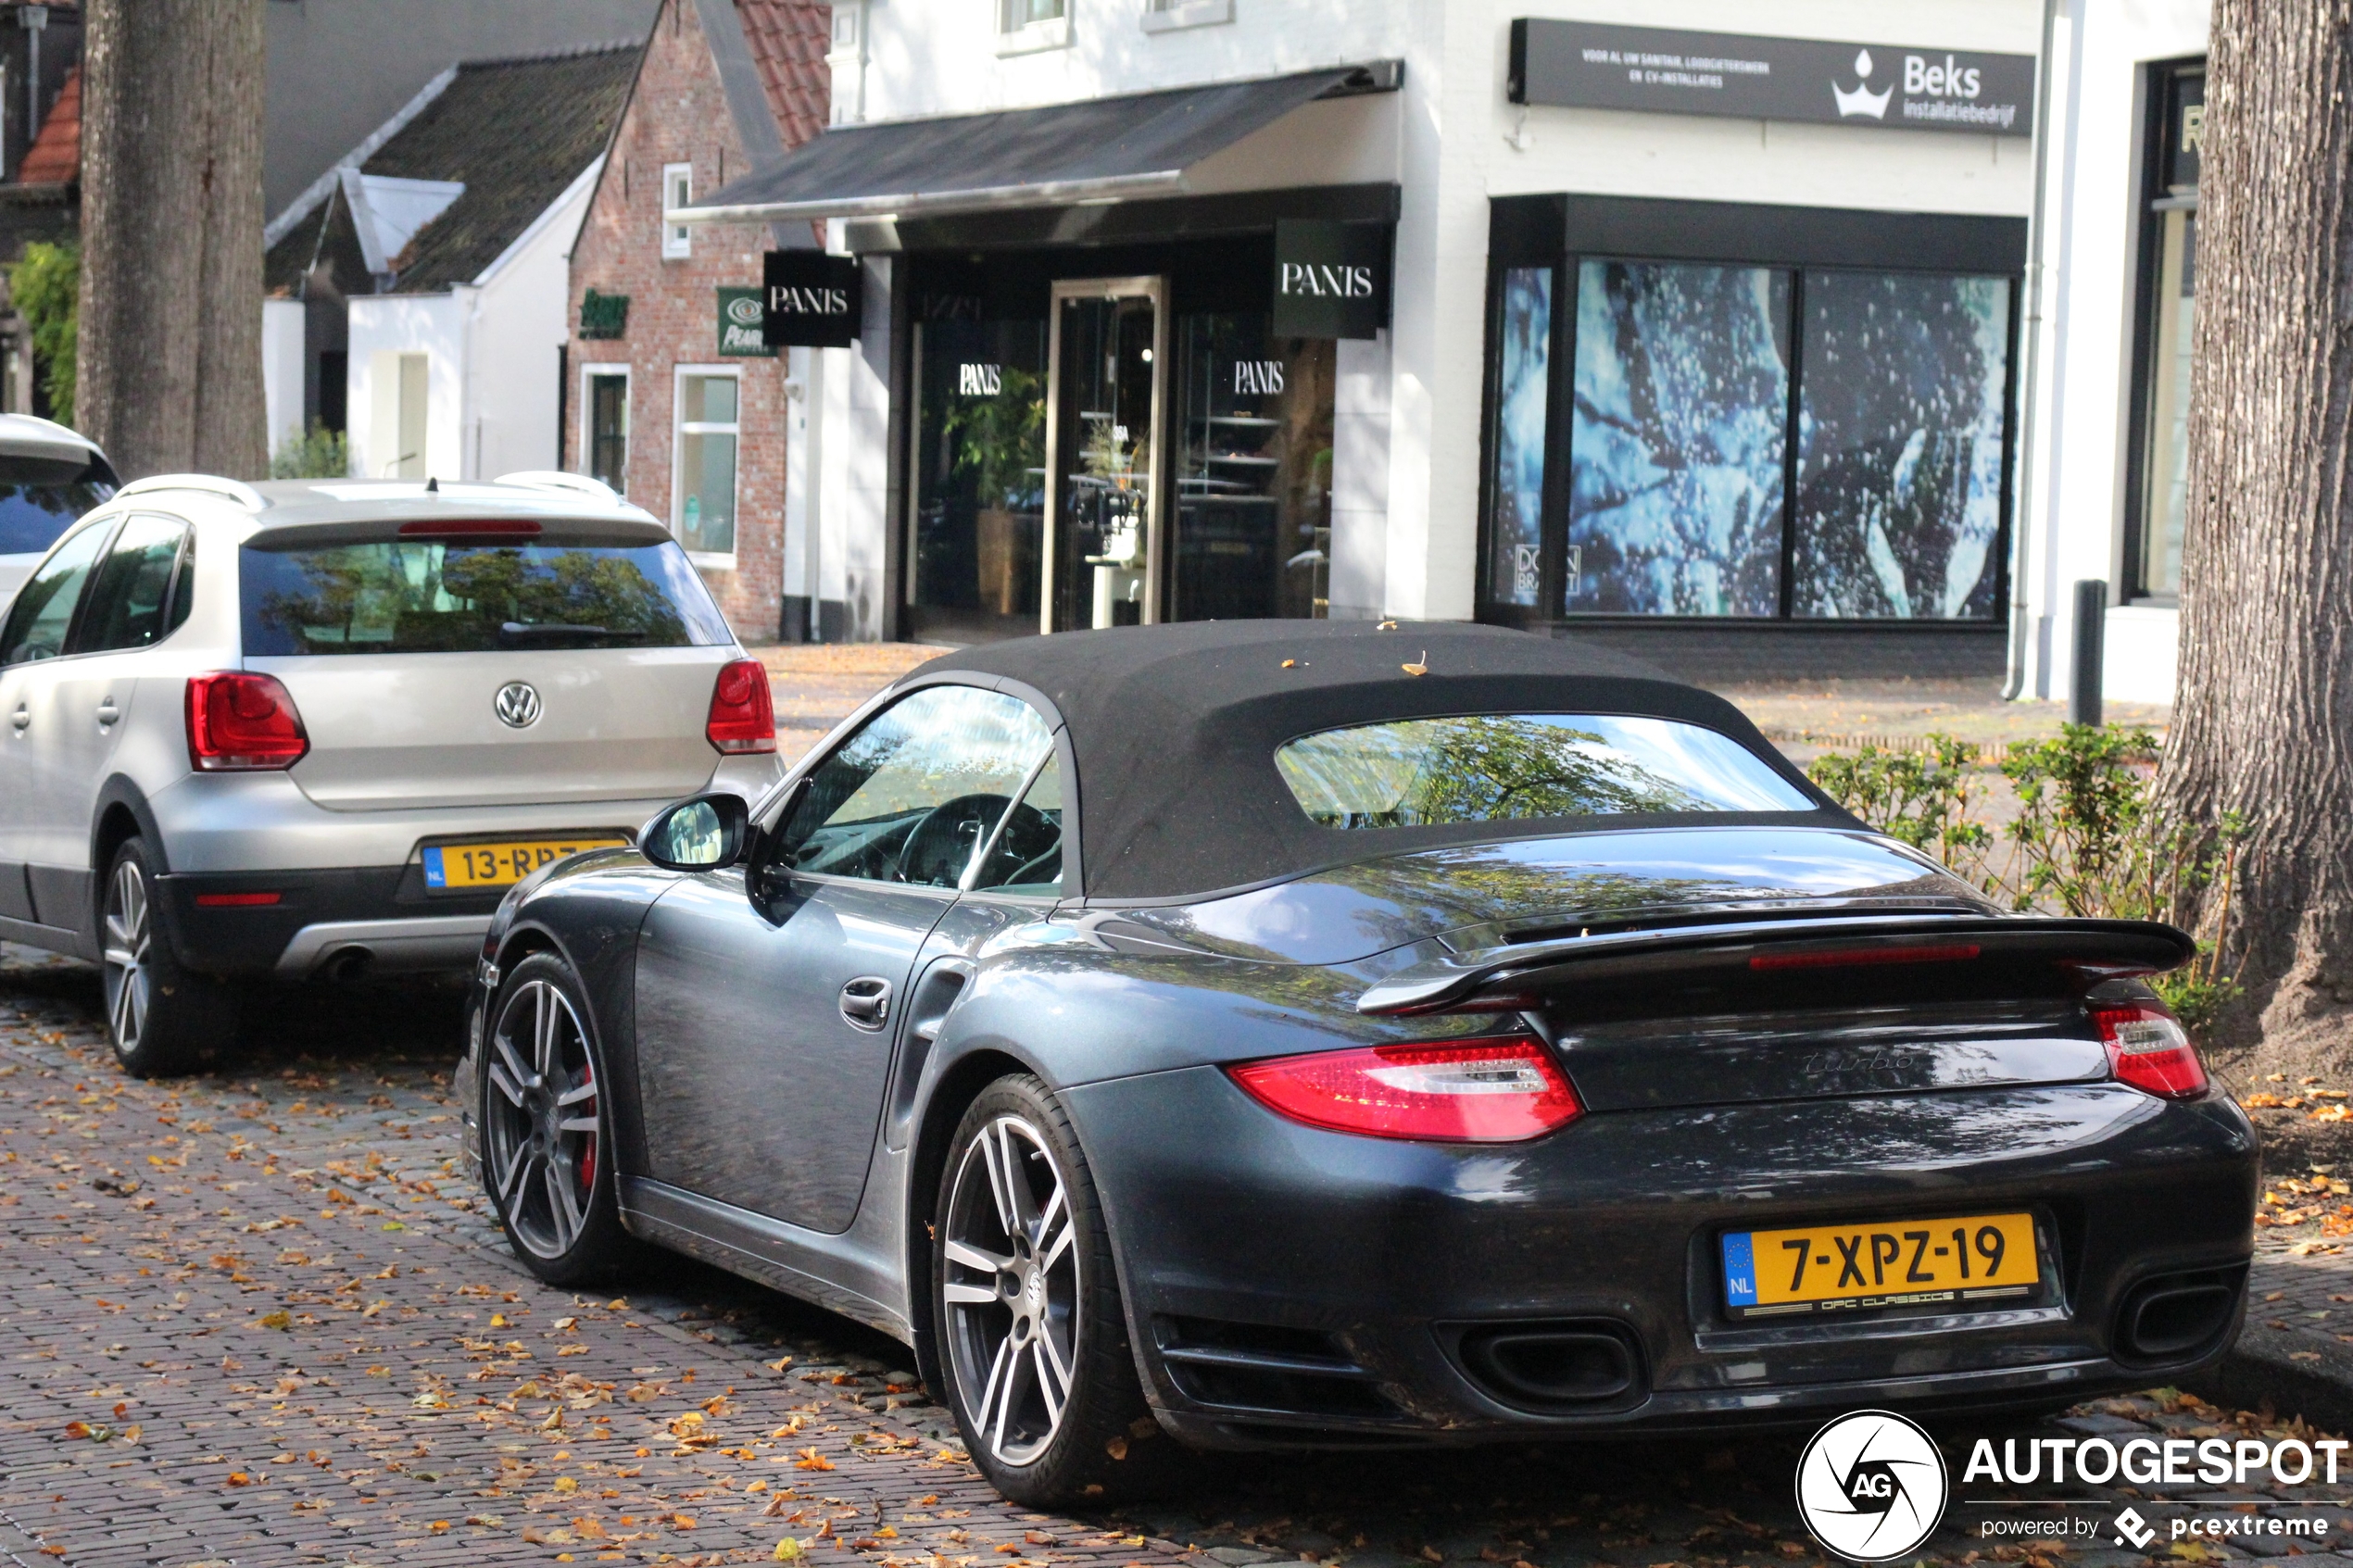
1871	1486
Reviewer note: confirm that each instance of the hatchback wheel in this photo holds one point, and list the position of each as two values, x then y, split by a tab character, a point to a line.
160	1018
545	1154
1033	1337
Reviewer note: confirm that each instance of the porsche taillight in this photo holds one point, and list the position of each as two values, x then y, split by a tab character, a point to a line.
743	719
2148	1049
241	721
1500	1088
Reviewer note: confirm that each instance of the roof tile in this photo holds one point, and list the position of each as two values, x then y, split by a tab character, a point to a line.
56	155
789	40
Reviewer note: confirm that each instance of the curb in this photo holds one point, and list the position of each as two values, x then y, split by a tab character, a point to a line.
2294	1373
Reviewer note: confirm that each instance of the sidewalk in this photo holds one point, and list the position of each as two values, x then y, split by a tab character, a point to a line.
818	685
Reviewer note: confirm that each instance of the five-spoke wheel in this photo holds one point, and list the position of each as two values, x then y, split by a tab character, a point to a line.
159	1016
1013	1289
1032	1336
542	1147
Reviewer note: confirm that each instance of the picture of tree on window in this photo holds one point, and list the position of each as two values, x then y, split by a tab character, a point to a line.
1677	439
1900	421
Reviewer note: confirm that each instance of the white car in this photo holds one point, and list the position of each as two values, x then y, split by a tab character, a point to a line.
276	731
49	476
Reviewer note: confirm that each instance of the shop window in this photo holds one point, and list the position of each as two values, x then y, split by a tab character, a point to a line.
1677	439
1523	415
607	408
980	468
1899	490
1253	470
1746	440
2168	312
677	191
706	465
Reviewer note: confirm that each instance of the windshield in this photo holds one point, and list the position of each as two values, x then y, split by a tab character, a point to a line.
40	498
433	595
1502	767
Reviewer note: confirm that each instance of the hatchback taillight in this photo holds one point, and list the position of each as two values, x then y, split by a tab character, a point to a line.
239	721
2148	1049
1499	1089
742	717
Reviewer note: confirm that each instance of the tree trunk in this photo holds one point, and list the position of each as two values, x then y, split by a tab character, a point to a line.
2263	723
169	362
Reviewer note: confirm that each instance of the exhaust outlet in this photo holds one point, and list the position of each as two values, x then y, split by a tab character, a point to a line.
1555	1367
348	963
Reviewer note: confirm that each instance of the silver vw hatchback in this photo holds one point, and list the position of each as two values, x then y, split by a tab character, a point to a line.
302	728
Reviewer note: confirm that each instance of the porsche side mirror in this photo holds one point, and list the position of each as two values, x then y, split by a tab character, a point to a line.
701	833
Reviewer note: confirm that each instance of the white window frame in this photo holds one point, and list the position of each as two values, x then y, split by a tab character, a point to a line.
585	447
1025	38
1168	16
677	239
679	430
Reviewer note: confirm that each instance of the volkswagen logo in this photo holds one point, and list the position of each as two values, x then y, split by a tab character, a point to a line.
517	705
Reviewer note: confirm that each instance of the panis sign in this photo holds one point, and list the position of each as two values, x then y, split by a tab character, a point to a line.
814	300
1331	279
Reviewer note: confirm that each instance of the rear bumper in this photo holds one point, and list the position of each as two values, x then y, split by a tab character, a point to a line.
377	919
1371	1267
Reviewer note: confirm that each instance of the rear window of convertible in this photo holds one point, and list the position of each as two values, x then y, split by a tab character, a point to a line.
435	596
1501	767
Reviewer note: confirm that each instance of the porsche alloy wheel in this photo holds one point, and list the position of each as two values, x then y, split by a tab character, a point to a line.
1032	1336
1013	1289
539	1121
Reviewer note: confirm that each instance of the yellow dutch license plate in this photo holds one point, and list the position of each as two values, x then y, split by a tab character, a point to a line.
1963	1258
456	868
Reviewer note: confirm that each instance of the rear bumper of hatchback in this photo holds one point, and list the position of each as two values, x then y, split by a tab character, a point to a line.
293	925
1289	1285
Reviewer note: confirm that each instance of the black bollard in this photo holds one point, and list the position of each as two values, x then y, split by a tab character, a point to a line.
2091	629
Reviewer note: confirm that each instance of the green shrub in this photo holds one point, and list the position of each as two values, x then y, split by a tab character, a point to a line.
2088	839
45	286
316	452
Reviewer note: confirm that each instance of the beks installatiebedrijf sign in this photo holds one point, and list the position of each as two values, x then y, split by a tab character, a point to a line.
1903	86
1331	279
814	299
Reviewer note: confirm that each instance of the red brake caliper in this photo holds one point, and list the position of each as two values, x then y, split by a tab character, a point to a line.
588	1140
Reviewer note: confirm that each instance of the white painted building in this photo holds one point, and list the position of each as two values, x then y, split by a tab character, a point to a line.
2108	399
1621	381
419	287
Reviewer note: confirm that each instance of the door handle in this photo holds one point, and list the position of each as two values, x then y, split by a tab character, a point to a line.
21	719
107	711
866	1002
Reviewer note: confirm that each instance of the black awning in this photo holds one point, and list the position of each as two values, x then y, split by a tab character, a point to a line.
1137	144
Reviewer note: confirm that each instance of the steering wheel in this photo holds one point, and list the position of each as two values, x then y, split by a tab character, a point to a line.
940	844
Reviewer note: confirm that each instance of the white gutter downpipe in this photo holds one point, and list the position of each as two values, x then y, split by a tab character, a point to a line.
2014	680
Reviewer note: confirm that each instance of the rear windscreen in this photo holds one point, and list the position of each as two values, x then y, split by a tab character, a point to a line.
1502	767
40	498
434	595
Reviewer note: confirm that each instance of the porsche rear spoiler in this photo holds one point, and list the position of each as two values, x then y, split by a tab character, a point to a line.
1515	974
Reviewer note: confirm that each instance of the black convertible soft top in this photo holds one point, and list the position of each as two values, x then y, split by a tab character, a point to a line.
1174	731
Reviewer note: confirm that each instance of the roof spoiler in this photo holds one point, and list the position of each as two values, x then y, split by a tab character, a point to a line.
241	493
1493	976
555	478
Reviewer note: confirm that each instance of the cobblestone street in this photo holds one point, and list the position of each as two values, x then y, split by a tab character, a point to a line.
258	1317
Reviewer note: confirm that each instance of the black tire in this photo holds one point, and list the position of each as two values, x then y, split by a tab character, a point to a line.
1055	1300
161	1019
550	1177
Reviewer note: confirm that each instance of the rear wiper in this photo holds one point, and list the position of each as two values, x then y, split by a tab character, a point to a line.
516	632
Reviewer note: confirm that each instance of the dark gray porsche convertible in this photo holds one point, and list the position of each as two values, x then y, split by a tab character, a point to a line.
1316	1034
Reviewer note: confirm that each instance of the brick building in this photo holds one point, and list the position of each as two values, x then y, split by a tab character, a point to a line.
686	417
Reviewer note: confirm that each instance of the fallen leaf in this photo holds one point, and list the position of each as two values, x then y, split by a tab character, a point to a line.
498	1320
1419	667
788	1550
280	1320
812	1460
1117	1447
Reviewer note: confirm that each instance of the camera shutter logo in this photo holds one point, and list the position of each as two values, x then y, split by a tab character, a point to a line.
517	705
1871	1486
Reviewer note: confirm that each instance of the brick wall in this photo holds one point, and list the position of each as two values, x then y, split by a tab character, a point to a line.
678	114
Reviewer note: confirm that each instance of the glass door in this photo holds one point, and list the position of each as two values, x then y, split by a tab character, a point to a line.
1108	359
